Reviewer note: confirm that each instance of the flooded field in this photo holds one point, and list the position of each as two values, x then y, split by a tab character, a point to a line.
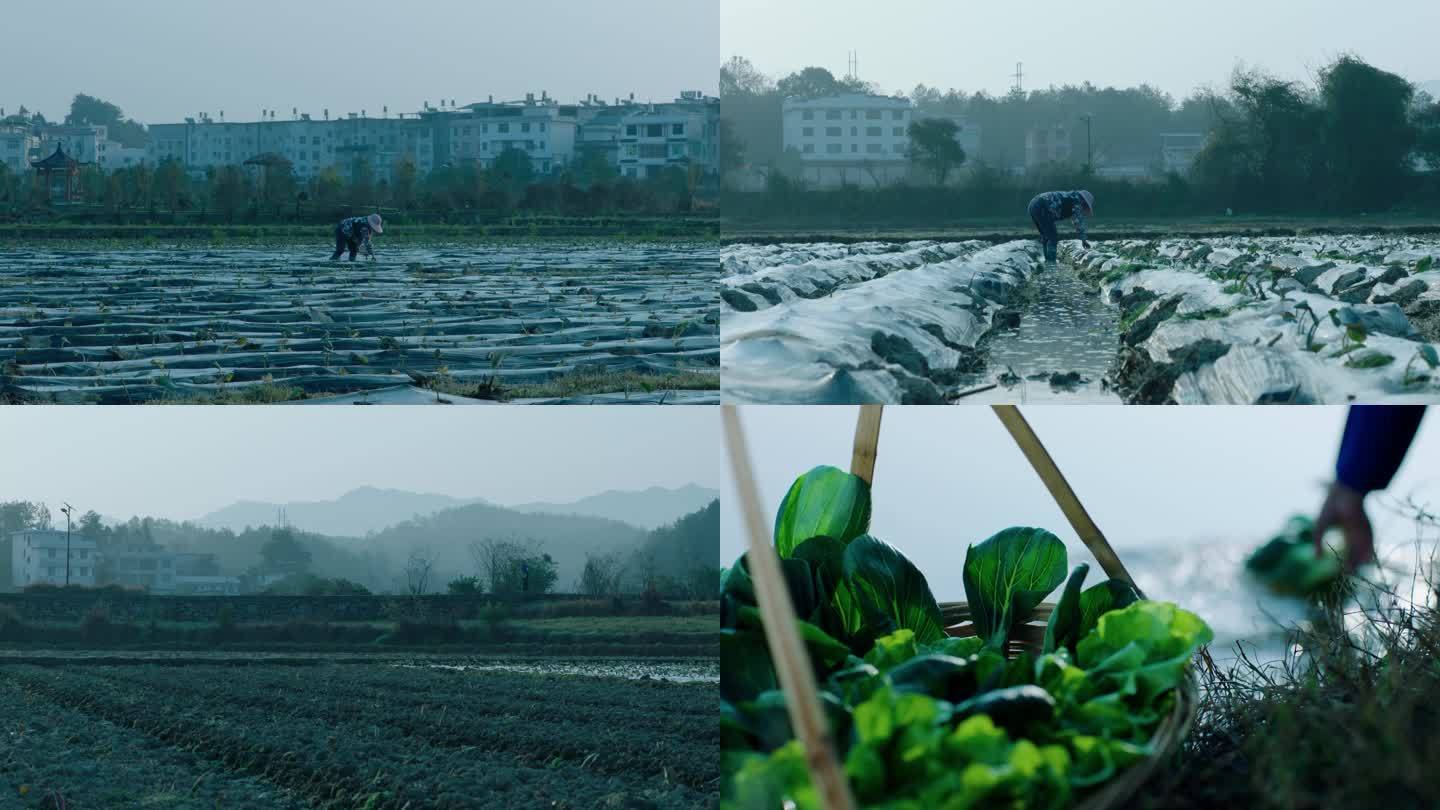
187	323
1222	320
277	736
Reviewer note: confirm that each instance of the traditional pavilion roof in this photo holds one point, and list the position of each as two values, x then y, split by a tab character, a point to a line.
59	160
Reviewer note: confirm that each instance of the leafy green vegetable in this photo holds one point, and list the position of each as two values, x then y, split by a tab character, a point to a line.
891	591
1287	563
1112	594
1018	709
1009	574
1142	649
825	502
939	676
893	649
924	720
745	669
1063	629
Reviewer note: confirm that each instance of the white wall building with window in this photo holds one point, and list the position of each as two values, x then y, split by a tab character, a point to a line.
87	144
852	139
18	147
38	556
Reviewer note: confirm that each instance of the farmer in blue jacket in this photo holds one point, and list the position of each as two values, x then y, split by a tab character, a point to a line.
353	233
1375	441
1054	206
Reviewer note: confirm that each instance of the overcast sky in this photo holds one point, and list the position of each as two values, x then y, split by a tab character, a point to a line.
975	45
162	60
948	477
182	462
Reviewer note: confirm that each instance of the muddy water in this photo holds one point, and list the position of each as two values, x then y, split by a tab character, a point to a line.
1064	328
628	668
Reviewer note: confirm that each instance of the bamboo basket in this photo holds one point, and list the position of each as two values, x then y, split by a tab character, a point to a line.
825	768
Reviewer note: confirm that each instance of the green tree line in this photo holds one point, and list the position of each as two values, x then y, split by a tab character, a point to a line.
1357	139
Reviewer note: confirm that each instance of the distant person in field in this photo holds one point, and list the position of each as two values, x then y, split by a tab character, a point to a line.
1375	442
354	233
1052	207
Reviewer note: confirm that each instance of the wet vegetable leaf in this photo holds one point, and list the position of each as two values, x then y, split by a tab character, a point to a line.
1009	574
891	591
825	502
1063	629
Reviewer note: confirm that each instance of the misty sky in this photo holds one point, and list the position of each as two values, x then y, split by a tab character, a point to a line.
974	46
948	477
182	462
162	60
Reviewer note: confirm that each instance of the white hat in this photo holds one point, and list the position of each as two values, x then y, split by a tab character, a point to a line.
374	220
1089	201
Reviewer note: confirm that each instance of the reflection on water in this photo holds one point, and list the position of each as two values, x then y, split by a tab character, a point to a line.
1064	328
689	671
1209	579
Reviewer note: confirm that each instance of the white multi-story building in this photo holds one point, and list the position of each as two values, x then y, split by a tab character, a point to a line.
87	144
148	567
38	556
542	129
18	147
852	139
309	145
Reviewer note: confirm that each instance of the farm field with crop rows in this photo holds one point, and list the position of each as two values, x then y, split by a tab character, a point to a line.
1235	320
184	324
326	735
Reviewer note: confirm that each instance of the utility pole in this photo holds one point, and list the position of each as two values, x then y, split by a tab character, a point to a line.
67	509
1019	77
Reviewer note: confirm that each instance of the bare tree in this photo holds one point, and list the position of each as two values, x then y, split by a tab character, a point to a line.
601	576
417	570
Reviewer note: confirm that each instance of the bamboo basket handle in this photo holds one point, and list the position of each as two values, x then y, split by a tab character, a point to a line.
867	441
1064	496
782	631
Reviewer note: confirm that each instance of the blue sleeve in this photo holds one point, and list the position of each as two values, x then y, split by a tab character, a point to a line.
1375	441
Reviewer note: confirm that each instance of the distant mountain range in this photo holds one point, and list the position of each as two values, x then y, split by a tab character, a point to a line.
368	509
354	514
648	509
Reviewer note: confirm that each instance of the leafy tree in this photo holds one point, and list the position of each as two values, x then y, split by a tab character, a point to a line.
732	148
90	111
1368	133
168	183
91	524
279	186
402	191
465	585
283	553
933	145
817	82
601	576
512	170
593	168
230	192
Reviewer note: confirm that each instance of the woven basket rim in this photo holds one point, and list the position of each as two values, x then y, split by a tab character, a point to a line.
1167	737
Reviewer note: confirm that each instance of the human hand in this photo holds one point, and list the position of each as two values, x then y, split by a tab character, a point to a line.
1086	244
1344	509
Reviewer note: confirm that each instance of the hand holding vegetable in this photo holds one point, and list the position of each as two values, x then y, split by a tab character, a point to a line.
1344	509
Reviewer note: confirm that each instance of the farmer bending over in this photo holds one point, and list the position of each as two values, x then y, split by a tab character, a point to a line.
353	233
1053	206
1376	438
